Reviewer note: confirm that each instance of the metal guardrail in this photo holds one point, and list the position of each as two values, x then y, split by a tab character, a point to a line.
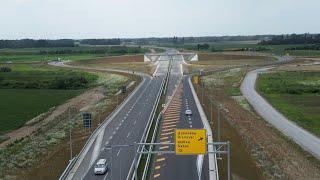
66	172
145	136
154	135
145	170
68	168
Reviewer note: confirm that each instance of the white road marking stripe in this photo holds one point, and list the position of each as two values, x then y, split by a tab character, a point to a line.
128	134
118	152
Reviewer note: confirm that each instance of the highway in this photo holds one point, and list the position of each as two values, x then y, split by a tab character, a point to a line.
305	139
171	166
125	127
128	124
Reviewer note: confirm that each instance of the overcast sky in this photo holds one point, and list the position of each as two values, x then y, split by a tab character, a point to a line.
52	19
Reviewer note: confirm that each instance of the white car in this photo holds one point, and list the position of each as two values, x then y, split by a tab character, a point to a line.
101	167
188	112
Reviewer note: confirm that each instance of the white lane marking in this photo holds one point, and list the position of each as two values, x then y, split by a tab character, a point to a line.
191	126
128	134
110	138
117	128
107	143
114	132
125	117
190	122
189	118
97	147
134	122
118	152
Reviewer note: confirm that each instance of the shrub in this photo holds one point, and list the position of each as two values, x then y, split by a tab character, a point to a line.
5	69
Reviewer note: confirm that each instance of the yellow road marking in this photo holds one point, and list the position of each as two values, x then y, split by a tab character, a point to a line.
166	137
168	126
171	120
164	147
169	123
156	175
165	142
172	117
163	134
157	167
161	159
171	114
172	111
166	130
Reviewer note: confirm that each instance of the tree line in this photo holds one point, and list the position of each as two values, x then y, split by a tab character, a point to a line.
293	39
115	41
30	43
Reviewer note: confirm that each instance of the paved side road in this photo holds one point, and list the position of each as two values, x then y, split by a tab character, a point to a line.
306	140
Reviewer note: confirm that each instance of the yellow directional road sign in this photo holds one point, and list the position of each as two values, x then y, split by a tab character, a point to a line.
190	141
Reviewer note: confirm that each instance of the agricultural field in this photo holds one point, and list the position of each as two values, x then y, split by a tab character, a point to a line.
132	63
66	53
296	94
219	60
251	46
42	140
20	105
29	90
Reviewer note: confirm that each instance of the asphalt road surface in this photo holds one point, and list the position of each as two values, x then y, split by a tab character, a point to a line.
171	166
306	140
125	128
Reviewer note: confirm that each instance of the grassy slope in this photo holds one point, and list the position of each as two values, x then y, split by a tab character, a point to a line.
302	108
20	105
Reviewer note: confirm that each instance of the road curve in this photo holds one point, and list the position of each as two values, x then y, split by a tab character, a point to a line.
305	139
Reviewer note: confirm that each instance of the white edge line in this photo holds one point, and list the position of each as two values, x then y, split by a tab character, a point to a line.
213	167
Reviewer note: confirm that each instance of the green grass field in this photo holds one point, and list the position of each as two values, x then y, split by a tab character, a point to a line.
20	105
236	45
31	89
66	53
39	76
296	95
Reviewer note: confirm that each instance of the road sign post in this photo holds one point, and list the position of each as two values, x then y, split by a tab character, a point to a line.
87	119
190	141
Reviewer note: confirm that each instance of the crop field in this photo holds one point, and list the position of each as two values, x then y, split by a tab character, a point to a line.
253	45
46	78
66	53
31	89
296	94
218	60
134	63
20	105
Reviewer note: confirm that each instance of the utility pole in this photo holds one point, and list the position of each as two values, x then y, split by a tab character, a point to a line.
70	133
117	99
202	87
211	109
219	136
